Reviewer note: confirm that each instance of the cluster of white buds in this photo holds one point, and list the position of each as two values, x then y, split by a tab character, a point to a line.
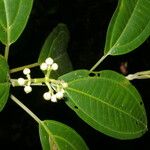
55	87
24	82
54	97
56	91
48	65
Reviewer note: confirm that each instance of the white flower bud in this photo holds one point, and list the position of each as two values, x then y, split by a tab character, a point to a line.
47	96
43	66
54	98
59	95
49	61
26	71
54	66
21	81
27	89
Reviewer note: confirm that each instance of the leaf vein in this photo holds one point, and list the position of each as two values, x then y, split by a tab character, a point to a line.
109	105
104	126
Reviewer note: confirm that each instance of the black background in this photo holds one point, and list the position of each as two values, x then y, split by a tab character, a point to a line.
87	21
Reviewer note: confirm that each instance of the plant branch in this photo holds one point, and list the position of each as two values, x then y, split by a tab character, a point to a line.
35	81
98	63
6	52
26	109
14	70
139	75
34	117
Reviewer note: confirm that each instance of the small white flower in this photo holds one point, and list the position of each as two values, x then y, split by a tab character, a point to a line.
47	96
54	98
27	89
65	85
59	95
26	71
54	66
49	61
21	81
43	66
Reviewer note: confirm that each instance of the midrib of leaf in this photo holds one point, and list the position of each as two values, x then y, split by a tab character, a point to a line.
108	79
123	29
115	82
109	105
106	127
7	23
63	139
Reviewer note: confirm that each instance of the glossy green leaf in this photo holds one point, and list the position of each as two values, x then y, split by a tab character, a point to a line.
74	75
13	18
108	102
129	27
57	136
4	84
55	46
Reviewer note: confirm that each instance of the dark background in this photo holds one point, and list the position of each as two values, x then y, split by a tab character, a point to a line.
87	21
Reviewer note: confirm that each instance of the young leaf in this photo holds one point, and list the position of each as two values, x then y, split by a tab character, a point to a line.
4	84
57	136
129	27
55	46
13	18
108	102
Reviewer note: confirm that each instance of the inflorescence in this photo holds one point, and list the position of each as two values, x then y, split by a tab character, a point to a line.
55	87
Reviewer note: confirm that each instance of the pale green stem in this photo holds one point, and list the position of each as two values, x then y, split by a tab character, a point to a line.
98	63
52	138
36	81
23	67
48	72
26	109
6	52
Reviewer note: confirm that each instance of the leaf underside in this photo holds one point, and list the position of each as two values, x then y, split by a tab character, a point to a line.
55	47
4	93
129	27
108	102
13	18
59	136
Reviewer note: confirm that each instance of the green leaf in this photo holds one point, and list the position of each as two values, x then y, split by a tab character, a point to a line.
108	102
55	47
4	93
129	27
74	75
13	18
57	136
4	84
